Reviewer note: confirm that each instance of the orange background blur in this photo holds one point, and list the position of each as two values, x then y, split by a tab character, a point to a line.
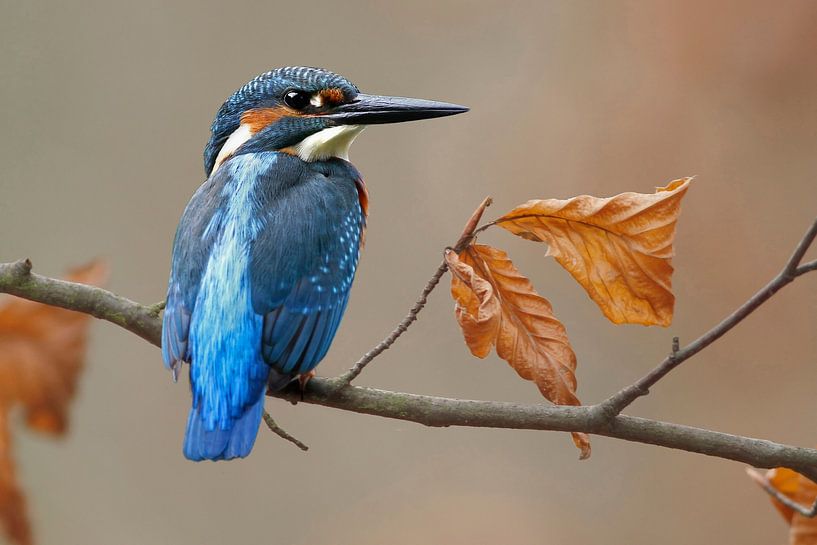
105	107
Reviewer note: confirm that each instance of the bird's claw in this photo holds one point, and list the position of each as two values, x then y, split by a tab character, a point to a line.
303	379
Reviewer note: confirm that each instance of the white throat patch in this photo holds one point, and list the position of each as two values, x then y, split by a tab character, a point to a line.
235	141
331	142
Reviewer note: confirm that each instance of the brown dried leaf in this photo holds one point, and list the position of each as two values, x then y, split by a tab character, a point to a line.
41	354
619	249
497	306
477	309
802	530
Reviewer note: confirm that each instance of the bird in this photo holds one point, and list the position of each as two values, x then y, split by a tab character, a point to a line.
266	249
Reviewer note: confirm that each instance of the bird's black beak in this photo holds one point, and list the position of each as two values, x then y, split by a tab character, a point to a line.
375	109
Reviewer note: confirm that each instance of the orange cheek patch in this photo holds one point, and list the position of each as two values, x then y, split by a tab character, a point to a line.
332	96
259	118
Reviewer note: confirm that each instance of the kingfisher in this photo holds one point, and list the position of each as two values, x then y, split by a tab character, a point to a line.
266	250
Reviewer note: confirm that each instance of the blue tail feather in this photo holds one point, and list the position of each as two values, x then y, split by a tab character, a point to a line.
237	442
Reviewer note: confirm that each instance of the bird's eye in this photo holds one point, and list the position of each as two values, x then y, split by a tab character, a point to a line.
297	100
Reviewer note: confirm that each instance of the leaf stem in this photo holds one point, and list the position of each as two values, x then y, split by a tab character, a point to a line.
808	512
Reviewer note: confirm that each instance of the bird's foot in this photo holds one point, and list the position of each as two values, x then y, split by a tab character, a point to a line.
303	379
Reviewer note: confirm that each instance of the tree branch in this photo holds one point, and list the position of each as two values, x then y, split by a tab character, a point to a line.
619	401
442	412
17	279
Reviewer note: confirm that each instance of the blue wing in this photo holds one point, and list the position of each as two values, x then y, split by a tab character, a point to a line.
304	263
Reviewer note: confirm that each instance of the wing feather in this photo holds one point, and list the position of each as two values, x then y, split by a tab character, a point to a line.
304	263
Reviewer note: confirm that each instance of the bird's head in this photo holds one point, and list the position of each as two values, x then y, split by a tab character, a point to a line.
309	112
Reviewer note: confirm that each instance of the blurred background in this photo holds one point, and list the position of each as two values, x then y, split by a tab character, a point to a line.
105	108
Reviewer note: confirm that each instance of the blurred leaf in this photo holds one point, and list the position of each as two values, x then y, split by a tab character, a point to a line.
12	502
802	530
497	306
618	248
41	354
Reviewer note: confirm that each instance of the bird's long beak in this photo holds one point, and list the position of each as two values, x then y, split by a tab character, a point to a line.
375	109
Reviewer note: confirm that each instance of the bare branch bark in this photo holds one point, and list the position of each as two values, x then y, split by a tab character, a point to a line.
619	401
17	279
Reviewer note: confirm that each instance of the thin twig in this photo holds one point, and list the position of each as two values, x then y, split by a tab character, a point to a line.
401	328
802	248
470	228
282	433
806	267
763	481
619	401
465	238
